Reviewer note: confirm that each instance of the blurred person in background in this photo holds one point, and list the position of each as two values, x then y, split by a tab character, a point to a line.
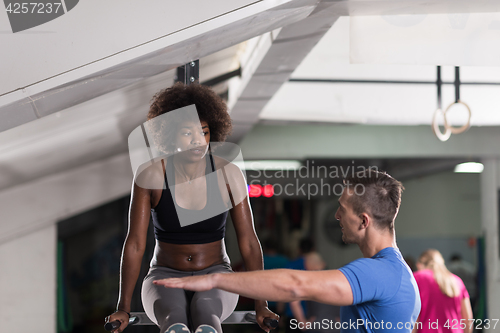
298	310
445	301
411	263
317	311
274	260
467	272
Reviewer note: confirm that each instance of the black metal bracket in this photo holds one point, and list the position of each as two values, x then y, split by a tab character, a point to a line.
457	84
439	84
189	73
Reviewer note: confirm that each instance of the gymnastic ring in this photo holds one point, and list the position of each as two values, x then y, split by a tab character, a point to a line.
435	127
457	130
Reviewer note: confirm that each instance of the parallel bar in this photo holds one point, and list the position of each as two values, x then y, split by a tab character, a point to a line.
237	317
389	81
222	78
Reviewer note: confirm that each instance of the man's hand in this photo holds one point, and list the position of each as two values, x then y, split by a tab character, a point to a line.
194	283
262	312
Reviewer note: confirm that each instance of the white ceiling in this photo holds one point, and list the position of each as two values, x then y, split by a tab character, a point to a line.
91	131
88	120
86	35
370	103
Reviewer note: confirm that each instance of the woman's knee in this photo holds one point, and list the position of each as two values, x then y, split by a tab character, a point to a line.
206	306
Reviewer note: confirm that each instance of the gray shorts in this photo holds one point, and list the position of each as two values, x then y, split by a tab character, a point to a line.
166	306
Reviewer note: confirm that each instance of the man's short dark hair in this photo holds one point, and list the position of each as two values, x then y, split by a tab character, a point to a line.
376	193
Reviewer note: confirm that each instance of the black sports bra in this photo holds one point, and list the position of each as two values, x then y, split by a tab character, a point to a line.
169	218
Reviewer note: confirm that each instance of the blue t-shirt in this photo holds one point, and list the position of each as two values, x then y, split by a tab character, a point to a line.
274	261
385	294
299	263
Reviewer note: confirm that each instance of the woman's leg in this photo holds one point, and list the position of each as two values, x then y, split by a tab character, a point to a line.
164	306
213	306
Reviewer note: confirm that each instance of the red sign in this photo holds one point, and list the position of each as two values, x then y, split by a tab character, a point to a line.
255	190
268	191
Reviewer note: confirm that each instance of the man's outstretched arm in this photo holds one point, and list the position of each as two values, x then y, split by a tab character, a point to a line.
281	285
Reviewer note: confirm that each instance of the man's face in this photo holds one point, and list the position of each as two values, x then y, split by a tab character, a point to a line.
349	221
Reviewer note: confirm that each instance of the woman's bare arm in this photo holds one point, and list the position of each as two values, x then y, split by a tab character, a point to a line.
467	314
298	313
248	243
415	328
135	244
133	251
241	215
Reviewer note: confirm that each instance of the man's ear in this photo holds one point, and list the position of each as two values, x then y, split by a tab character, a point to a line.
365	221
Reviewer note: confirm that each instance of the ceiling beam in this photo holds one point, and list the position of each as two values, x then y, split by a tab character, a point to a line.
77	86
282	52
303	141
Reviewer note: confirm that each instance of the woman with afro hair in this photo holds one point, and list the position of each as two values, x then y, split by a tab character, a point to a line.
188	174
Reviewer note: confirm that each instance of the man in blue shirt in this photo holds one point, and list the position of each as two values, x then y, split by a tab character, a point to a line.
377	293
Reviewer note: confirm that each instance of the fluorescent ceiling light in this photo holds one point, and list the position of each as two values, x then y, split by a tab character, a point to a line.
269	165
469	167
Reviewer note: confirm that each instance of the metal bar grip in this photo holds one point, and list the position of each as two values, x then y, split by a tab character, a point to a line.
112	325
115	324
269	322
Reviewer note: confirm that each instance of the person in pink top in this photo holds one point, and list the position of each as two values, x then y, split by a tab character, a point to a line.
445	301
